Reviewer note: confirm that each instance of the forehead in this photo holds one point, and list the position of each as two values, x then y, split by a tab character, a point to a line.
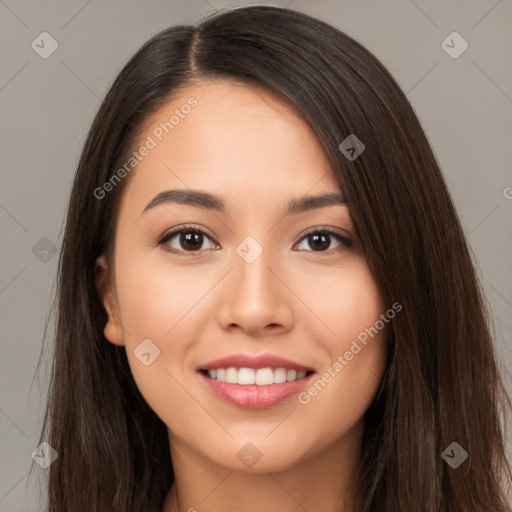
229	138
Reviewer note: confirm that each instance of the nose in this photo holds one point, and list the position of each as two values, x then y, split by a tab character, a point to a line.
255	298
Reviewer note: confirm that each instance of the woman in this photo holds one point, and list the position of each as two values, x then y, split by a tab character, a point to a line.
266	300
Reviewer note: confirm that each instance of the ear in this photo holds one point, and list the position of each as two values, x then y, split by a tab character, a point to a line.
113	330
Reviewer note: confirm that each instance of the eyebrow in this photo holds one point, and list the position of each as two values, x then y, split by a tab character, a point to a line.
213	202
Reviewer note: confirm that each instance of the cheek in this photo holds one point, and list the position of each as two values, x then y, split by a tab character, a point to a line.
355	342
155	296
342	301
160	304
341	392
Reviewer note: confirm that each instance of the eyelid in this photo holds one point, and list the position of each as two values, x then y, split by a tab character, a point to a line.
178	229
327	229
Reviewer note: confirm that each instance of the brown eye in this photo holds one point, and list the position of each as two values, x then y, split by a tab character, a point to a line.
320	240
185	239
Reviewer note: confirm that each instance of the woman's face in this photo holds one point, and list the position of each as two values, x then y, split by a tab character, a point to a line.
259	283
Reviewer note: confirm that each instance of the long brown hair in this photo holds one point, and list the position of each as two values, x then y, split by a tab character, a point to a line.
441	384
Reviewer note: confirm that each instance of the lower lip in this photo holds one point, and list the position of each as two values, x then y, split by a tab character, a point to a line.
253	396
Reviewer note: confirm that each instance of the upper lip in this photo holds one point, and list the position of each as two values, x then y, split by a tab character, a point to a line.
255	362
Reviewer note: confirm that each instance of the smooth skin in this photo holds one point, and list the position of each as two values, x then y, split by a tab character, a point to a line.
255	152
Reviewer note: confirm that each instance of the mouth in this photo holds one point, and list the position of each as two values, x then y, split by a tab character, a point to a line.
254	382
260	377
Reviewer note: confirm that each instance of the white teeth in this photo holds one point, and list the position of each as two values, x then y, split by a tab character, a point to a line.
264	377
231	376
291	375
261	377
279	376
246	376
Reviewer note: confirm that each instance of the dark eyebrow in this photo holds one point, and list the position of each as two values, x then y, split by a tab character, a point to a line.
190	197
213	202
311	202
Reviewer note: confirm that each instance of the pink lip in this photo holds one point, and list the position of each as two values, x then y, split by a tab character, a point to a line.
255	362
253	396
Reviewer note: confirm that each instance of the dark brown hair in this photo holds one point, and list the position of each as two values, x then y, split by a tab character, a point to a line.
441	382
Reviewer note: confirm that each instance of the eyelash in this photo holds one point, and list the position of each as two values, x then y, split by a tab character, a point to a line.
345	242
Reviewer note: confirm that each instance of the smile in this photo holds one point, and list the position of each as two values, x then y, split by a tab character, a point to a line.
261	377
254	381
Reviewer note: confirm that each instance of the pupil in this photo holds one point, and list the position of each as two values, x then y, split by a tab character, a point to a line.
316	239
191	239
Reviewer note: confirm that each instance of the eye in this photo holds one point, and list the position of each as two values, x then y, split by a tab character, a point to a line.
319	240
191	239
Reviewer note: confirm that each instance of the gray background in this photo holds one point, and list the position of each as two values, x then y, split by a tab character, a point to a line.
47	105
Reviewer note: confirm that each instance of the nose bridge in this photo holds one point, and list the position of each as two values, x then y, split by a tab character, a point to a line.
255	298
252	274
